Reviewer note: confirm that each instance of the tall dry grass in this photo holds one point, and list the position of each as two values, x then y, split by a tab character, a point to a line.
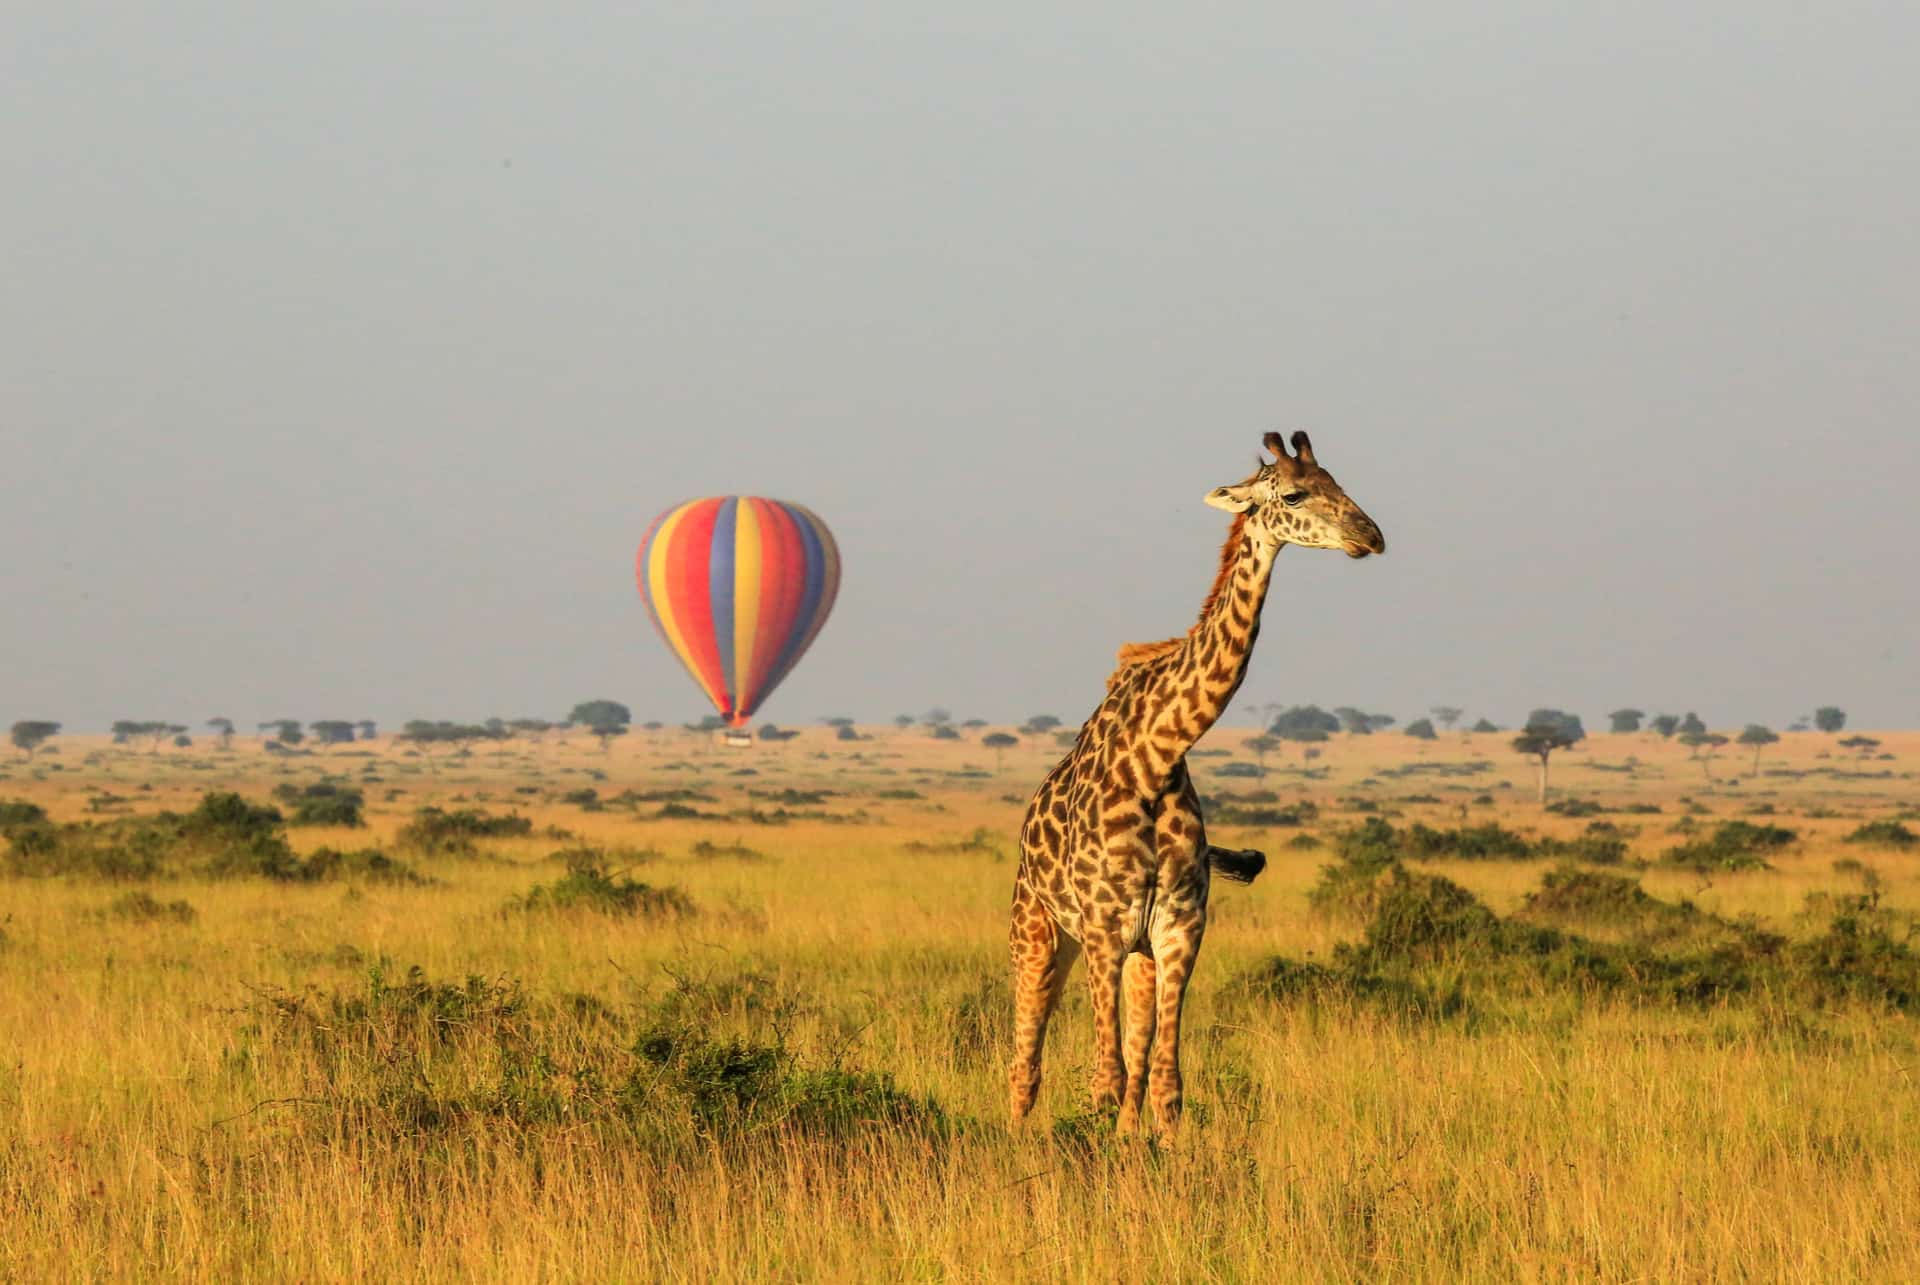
199	1099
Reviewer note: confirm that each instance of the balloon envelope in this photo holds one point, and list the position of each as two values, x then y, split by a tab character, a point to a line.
738	586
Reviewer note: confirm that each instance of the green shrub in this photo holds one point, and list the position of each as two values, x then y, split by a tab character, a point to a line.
140	906
369	864
1575	807
1733	845
1884	834
589	887
1426	934
324	804
423	1057
16	814
436	831
706	850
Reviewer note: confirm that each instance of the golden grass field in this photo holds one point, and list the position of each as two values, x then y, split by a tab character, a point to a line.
257	1091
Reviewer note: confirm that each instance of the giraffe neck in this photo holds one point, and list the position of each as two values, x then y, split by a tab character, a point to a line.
1188	697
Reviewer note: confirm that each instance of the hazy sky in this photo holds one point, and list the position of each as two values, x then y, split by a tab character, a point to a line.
348	350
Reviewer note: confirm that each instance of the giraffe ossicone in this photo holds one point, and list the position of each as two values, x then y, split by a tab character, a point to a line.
1114	859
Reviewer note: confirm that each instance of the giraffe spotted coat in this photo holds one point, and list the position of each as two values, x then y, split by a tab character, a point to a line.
1114	859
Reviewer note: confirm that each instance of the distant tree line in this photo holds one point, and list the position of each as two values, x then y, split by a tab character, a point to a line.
1545	732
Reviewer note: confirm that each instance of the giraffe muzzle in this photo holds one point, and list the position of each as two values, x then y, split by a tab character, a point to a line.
1363	539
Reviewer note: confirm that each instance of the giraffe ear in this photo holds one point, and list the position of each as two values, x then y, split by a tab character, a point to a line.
1234	499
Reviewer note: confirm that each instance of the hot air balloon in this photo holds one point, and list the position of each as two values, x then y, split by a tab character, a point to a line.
738	586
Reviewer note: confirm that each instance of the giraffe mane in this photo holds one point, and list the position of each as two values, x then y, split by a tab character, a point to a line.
1229	558
1132	655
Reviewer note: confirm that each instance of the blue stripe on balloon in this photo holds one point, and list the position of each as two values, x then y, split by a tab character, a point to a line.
816	581
720	593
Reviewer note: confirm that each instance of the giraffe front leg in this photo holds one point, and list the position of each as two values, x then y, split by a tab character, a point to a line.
1042	957
1138	989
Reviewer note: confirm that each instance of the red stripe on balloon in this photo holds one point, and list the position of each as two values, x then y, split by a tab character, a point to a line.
829	573
689	589
782	578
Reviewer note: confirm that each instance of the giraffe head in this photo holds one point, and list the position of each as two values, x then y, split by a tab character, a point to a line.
1295	501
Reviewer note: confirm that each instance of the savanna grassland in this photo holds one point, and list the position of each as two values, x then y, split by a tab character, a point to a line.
675	1011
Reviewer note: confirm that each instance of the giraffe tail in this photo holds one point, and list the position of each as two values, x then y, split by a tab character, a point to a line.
1242	865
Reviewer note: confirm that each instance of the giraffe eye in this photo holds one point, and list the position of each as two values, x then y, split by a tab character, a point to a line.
1294	499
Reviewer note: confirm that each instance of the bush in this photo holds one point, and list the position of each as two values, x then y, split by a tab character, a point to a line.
15	814
1575	807
1227	810
141	907
435	830
1377	842
422	1057
705	850
1884	834
223	837
1734	845
589	887
370	864
1426	934
323	804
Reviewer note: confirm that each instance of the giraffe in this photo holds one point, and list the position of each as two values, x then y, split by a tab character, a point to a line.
1114	860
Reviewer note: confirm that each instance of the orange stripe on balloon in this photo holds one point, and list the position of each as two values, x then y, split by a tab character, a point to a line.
653	581
689	587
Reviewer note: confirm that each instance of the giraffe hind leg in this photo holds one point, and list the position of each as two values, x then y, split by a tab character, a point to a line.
1139	994
1042	957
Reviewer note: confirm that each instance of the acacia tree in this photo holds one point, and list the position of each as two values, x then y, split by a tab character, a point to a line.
332	731
999	743
285	730
605	719
367	728
1626	720
125	730
1304	724
1485	725
1360	723
223	726
1665	724
1830	718
1421	729
427	735
1447	715
1548	730
1262	746
1758	736
1703	745
1039	725
28	735
1692	726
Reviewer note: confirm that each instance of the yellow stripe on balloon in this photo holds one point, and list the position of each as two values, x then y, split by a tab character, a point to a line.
746	599
663	596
